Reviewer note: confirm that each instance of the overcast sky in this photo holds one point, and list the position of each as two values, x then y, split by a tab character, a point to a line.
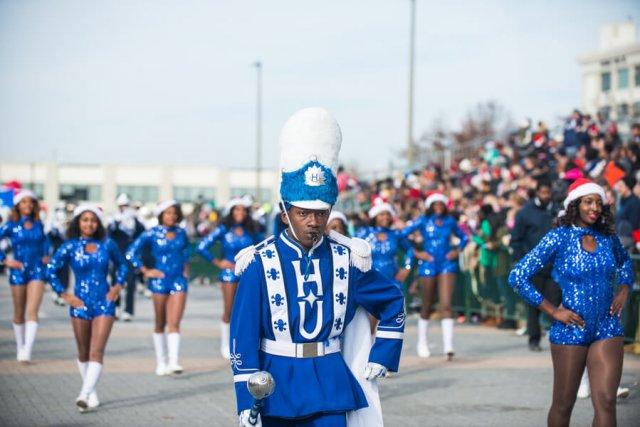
171	82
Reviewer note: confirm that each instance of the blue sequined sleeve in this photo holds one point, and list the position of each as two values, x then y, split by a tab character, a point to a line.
186	248
60	258
134	251
464	239
530	264
4	233
623	262
206	243
118	261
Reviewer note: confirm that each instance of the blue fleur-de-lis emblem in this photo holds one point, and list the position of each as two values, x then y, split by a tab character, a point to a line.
338	324
269	253
277	300
341	298
340	250
280	325
273	274
341	273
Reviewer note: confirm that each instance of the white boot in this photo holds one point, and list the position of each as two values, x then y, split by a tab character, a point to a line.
447	337
584	390
161	354
173	344
423	345
91	377
93	401
31	328
18	332
224	340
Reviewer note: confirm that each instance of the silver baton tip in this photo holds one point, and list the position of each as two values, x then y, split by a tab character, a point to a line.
261	384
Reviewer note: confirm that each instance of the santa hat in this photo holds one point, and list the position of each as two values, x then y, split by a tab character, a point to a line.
237	201
436	196
337	215
22	194
581	187
310	142
163	206
379	206
89	207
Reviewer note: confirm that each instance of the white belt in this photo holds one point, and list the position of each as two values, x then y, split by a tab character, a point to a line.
300	350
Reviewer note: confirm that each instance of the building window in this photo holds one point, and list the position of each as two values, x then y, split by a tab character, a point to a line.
140	193
80	193
623	78
36	188
636	110
606	81
185	194
637	73
604	112
265	193
623	111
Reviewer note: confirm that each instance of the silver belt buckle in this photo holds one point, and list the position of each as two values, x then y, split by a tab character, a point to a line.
309	349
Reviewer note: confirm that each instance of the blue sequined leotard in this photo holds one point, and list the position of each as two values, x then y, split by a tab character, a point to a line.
385	243
170	251
233	240
587	280
30	244
89	259
437	232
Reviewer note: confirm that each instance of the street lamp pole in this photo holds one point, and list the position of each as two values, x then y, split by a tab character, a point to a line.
410	145
258	66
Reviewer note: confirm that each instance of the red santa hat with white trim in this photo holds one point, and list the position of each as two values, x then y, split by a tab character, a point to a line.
23	194
436	196
582	187
89	207
380	205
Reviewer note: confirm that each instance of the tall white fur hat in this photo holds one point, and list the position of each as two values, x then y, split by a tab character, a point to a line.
309	146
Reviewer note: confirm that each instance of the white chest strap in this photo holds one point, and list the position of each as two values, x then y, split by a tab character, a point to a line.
340	281
278	304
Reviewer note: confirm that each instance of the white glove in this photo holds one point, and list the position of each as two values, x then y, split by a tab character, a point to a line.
374	370
243	419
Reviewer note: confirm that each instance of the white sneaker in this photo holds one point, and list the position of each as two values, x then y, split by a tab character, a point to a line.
423	350
82	402
584	391
174	369
224	351
126	316
161	370
623	392
93	401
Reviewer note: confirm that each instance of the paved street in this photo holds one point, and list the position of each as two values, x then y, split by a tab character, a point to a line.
495	380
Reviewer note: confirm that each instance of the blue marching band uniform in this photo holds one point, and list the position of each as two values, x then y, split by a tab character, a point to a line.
294	303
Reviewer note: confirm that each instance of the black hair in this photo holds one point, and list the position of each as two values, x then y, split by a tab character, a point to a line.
543	183
178	212
73	231
248	222
605	224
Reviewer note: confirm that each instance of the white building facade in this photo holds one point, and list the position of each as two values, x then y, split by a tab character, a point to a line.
611	75
145	184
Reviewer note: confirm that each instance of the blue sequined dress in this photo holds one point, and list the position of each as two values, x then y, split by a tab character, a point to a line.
89	259
30	244
588	281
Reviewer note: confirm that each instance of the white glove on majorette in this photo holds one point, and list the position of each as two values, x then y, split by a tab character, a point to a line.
374	370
